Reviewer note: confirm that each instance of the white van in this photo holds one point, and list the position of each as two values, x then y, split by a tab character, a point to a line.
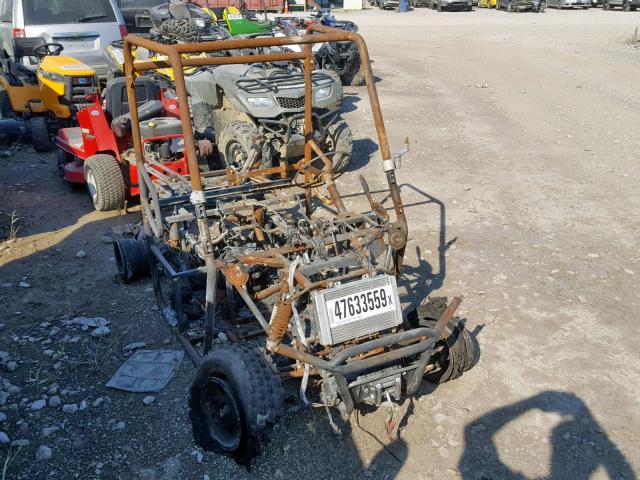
83	27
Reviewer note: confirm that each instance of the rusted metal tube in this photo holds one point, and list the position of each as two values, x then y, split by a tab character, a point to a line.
185	118
328	35
135	127
308	101
447	315
199	62
193	354
370	81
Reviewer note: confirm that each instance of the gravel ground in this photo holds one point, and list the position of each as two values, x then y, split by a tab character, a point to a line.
520	185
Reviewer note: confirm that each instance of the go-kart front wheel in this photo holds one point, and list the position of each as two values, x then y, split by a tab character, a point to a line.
105	182
236	399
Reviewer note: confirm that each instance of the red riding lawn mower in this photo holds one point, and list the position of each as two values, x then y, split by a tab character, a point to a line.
99	151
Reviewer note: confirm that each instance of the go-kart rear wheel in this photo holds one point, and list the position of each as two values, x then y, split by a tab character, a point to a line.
105	182
40	134
234	145
236	399
459	350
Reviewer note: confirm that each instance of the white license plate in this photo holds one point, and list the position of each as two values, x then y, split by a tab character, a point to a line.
78	46
357	306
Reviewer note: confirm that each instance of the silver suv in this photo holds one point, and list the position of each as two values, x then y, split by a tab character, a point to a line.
83	27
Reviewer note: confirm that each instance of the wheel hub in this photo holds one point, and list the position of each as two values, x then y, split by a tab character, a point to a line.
221	413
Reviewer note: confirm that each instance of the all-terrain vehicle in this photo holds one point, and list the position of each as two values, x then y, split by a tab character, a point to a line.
261	107
98	151
38	102
258	107
261	285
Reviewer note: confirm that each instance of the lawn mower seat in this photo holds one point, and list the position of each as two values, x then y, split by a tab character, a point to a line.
115	95
122	124
24	47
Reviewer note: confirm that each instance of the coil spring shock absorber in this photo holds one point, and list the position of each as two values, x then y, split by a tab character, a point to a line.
282	312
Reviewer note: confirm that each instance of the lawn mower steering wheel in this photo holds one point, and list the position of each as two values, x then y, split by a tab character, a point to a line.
48	49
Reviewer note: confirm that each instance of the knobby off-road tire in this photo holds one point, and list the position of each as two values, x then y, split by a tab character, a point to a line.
460	353
236	399
338	139
234	145
105	182
40	134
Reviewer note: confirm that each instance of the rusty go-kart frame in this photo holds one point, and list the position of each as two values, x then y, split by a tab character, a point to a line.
322	289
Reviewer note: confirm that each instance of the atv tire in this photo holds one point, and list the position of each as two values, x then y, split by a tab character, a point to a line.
105	182
40	134
235	143
236	399
461	351
338	139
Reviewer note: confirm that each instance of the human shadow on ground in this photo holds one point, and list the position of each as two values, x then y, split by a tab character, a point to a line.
580	445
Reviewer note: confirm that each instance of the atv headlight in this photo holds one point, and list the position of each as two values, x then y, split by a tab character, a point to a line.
260	101
52	76
322	93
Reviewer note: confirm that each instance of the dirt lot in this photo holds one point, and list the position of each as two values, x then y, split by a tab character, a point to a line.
520	185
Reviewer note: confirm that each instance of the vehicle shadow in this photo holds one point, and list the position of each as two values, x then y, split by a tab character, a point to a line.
363	150
419	278
579	443
349	102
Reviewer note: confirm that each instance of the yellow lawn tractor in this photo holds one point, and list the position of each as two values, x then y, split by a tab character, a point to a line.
36	100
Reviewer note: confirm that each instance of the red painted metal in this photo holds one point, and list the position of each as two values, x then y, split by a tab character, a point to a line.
98	137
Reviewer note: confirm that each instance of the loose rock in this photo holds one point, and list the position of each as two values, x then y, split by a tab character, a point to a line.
70	408
4	438
43	453
46	432
55	401
81	254
101	332
38	405
148	400
23	442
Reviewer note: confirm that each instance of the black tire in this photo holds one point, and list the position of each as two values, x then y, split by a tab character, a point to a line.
62	158
338	139
105	182
461	351
6	110
358	79
235	143
248	400
40	134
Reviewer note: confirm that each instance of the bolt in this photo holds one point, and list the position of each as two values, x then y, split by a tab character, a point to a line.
378	386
